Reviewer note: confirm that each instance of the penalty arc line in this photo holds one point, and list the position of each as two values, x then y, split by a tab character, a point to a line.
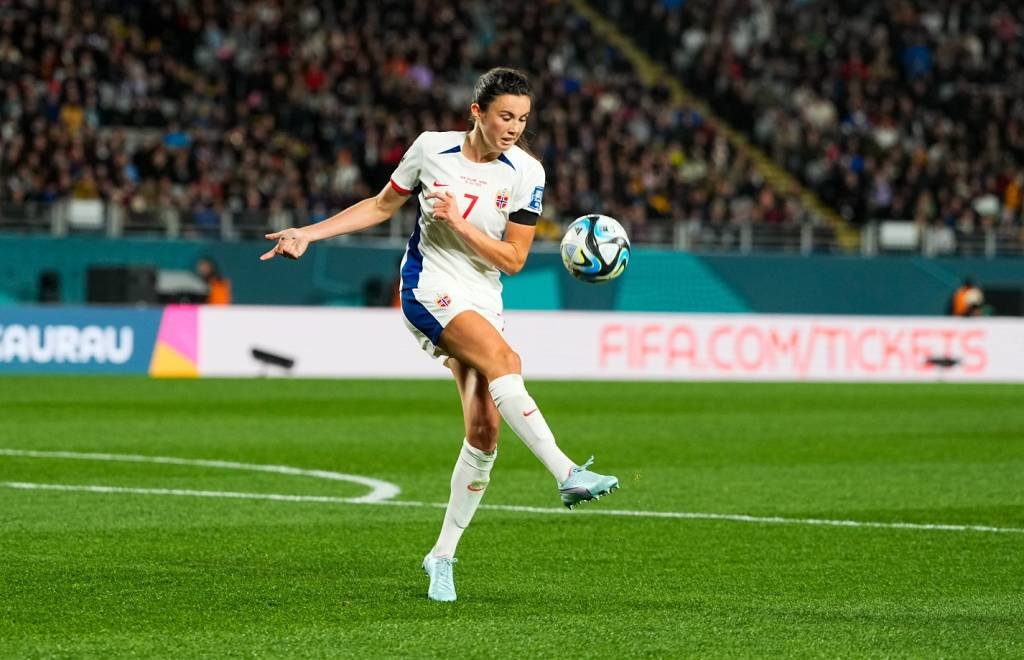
678	515
379	490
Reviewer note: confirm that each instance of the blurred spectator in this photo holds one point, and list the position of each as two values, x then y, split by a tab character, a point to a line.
219	286
967	300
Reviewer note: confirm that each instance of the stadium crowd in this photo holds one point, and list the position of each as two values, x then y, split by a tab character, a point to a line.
305	106
898	109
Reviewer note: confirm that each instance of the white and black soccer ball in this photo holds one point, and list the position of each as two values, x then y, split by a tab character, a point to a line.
595	248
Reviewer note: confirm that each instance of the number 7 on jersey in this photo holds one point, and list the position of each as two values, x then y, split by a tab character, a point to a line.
472	202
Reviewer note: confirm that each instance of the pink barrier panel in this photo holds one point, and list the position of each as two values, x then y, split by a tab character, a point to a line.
596	345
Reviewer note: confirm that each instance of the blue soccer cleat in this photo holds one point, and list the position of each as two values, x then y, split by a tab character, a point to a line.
584	485
442	579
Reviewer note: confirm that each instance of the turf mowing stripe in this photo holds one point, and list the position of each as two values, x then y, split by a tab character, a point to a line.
678	515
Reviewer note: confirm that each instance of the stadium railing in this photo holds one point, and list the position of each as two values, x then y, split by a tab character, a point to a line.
750	237
96	217
26	217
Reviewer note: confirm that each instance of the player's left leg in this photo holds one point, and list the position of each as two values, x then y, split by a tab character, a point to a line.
469	477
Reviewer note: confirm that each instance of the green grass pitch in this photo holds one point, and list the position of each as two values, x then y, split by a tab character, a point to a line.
86	574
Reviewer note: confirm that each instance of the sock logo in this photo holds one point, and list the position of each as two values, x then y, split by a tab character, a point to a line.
477	486
527	414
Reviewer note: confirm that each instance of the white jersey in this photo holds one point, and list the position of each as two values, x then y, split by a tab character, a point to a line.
487	194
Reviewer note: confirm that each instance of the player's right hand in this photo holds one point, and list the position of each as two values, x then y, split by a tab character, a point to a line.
290	243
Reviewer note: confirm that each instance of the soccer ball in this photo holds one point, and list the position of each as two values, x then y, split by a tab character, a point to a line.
595	248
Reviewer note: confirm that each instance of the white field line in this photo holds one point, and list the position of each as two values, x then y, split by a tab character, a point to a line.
179	492
678	515
379	490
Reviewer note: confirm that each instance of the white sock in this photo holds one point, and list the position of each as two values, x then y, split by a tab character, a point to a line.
469	480
521	413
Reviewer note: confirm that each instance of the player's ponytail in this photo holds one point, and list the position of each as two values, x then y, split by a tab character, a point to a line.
504	80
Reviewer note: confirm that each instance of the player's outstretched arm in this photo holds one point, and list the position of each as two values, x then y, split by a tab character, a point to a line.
508	256
292	242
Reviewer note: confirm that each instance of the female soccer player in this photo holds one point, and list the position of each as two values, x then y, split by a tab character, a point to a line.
479	199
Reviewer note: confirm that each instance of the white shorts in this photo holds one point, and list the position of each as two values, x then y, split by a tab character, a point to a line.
428	311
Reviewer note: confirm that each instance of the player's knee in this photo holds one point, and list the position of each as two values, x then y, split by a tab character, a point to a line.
483	434
508	362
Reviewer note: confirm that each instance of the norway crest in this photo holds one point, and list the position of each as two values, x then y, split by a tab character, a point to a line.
501	199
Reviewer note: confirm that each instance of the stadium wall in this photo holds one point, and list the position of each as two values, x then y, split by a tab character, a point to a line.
318	342
657	281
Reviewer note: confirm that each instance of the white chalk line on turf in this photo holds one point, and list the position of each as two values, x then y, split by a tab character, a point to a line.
678	515
181	492
379	490
762	520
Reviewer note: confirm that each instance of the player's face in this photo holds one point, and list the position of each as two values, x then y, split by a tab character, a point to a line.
504	120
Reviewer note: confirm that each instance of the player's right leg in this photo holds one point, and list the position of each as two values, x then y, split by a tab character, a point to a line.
473	341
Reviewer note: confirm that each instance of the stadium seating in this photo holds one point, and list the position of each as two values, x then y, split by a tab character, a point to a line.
230	118
908	111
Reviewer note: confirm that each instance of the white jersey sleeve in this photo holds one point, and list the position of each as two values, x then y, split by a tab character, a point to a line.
529	194
406	176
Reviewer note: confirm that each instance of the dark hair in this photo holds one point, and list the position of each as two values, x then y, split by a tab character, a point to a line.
500	80
504	80
214	270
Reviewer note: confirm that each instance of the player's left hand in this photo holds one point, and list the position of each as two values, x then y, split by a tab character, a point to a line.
446	209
